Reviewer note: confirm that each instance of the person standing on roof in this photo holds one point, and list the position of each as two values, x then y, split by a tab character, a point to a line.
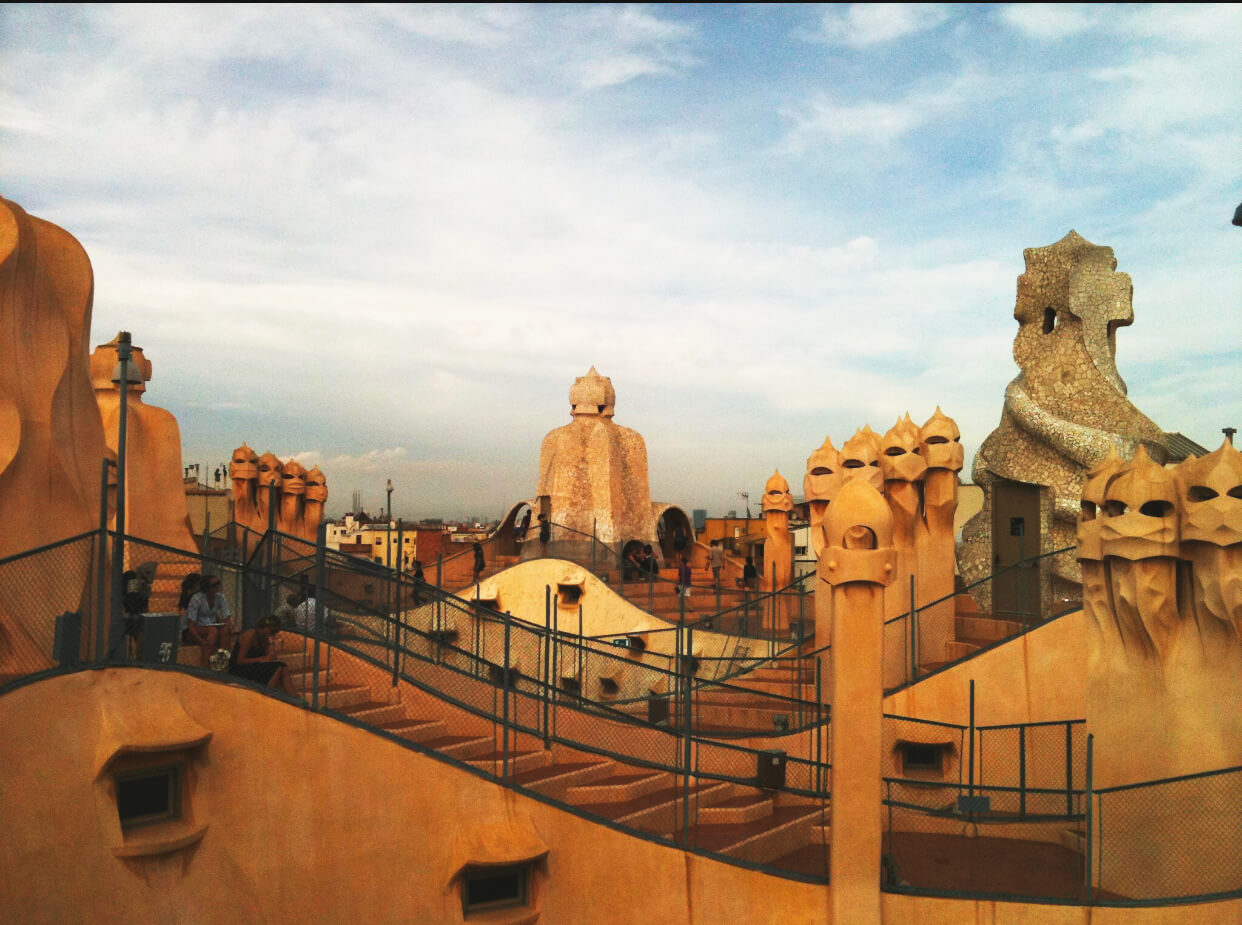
480	562
683	578
545	534
717	561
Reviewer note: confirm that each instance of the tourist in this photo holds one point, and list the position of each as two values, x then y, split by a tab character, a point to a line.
208	620
519	532
545	534
190	585
254	660
683	578
284	613
304	613
480	563
750	575
416	572
651	565
717	561
680	540
634	566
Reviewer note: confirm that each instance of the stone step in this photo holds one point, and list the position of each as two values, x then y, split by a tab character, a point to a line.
761	840
344	694
662	812
556	778
493	761
956	649
463	747
412	729
629	784
986	628
746	807
375	713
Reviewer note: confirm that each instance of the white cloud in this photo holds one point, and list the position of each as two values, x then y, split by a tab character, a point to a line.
485	25
1053	21
351	235
827	120
862	24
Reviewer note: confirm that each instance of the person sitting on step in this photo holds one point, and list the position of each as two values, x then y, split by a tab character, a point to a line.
254	660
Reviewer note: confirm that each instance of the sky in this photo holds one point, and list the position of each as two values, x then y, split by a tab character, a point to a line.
387	239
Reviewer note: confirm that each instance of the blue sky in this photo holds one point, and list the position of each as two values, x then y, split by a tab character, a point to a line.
388	238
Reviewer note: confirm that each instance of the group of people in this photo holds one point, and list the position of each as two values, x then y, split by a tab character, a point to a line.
523	527
641	564
208	622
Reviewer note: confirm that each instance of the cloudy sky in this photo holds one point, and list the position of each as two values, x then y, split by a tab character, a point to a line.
387	239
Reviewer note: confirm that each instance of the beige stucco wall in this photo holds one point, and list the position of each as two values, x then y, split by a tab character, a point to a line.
311	820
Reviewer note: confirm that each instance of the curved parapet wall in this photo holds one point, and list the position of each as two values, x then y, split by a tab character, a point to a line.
51	436
1067	407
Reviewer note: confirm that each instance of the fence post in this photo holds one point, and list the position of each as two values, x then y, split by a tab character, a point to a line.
504	679
1090	819
101	578
1069	769
914	649
971	780
1021	770
772	616
396	617
556	651
548	642
321	545
819	727
439	615
685	806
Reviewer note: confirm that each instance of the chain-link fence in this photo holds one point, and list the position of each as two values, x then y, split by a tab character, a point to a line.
1001	811
47	603
1007	604
1168	839
1041	765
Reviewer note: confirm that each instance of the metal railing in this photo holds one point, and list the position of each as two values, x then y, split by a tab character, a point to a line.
911	638
1017	817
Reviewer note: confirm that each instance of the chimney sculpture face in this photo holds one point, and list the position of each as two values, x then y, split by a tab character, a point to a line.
776	496
860	459
294	481
271	471
1092	518
858	530
1140	506
940	443
900	458
1211	497
823	473
316	486
245	466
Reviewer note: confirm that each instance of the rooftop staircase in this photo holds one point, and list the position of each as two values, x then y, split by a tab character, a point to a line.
728	818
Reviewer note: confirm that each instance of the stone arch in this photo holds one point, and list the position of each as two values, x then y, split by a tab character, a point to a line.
668	518
506	534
